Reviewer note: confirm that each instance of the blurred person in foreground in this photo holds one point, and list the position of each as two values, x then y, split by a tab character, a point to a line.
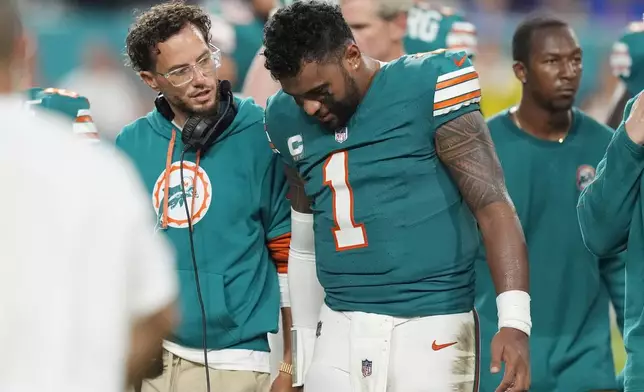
384	30
627	63
392	172
221	200
549	150
84	281
611	215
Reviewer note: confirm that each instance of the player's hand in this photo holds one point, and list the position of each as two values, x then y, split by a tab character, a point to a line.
511	347
284	383
635	121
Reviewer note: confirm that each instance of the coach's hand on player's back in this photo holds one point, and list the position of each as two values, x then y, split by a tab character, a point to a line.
511	347
635	122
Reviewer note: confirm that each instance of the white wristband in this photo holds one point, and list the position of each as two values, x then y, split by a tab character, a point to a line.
514	310
285	295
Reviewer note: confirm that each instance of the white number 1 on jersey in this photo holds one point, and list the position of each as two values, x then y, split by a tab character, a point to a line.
348	234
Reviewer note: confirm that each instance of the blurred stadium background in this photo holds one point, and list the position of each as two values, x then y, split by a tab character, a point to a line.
79	46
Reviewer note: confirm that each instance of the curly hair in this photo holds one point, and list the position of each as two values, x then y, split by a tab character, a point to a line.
305	31
522	39
157	25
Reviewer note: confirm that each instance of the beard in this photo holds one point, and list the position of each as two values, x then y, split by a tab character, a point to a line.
346	107
184	106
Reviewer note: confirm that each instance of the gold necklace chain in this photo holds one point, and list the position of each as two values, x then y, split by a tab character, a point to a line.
515	118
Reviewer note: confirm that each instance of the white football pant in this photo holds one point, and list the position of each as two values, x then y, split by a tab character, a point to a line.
364	352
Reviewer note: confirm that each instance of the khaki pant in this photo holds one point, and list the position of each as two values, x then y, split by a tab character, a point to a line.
180	375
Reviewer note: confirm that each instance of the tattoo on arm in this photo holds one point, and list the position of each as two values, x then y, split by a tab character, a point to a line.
464	145
299	201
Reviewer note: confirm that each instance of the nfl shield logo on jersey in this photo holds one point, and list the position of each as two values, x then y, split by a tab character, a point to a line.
366	368
341	135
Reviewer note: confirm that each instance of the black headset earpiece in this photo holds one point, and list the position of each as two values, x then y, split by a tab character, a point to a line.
163	107
201	132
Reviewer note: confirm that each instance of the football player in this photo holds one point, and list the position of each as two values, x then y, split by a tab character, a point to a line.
392	173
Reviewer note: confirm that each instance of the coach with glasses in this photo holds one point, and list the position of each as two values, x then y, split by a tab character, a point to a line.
219	195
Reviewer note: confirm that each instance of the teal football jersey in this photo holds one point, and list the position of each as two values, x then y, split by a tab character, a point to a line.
66	103
627	58
392	233
431	28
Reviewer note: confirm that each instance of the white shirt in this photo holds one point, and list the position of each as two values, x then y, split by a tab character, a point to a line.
78	258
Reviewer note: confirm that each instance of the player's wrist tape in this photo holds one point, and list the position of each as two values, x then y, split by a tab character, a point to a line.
285	295
302	344
514	310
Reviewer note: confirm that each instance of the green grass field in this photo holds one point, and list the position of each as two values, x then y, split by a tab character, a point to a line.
618	349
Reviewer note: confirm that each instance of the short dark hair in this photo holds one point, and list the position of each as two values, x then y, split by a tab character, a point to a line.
10	28
157	25
305	31
522	39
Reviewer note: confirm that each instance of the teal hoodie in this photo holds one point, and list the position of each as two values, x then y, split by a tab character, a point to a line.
239	205
611	216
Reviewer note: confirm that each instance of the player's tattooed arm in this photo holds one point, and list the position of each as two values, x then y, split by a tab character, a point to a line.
299	201
465	147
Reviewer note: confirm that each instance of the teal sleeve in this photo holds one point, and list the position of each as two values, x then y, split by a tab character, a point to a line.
119	142
606	206
123	141
455	89
275	123
613	274
276	208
